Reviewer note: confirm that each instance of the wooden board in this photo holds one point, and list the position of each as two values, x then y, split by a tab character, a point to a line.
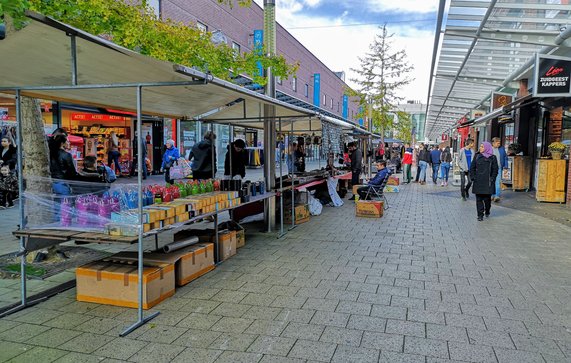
521	169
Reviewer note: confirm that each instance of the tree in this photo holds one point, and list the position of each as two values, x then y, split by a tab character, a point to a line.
403	126
382	73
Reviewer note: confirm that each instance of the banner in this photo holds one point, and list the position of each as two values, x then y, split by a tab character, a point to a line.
552	76
258	46
345	106
316	89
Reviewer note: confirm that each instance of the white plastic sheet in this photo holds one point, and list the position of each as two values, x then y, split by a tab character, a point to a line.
315	207
332	187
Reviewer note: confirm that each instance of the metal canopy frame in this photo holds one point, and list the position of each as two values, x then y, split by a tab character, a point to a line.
486	45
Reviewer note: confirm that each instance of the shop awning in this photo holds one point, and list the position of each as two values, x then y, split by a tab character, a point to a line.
38	60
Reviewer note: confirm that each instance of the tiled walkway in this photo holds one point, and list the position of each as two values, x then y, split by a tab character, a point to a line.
426	283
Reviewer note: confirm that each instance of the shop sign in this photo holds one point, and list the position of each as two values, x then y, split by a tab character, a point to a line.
552	76
500	100
476	113
444	137
97	117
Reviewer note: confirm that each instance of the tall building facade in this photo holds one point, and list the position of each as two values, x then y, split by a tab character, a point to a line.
417	112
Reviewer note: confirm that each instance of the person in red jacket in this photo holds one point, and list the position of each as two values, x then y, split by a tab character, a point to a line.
407	164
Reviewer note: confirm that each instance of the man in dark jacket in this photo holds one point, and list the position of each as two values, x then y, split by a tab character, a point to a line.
423	161
239	159
435	155
502	160
356	164
204	155
382	173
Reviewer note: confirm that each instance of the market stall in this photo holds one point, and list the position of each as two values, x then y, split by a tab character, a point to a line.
114	77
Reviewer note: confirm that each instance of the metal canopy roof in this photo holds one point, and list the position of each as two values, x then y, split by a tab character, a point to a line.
38	60
484	47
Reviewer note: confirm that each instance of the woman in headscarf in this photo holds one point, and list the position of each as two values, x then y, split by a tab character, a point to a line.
483	172
169	157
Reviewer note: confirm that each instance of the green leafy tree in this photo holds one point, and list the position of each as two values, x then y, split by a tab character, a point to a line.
382	73
403	126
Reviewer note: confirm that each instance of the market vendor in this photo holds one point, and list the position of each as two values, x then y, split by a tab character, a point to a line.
382	173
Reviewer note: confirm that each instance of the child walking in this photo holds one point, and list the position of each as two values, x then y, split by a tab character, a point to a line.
8	187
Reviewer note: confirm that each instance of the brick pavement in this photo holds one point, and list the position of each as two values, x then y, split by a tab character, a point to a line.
426	283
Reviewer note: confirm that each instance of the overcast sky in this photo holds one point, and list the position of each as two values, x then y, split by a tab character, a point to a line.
326	28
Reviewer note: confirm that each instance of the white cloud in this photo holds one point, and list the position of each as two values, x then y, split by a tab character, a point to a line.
339	47
412	6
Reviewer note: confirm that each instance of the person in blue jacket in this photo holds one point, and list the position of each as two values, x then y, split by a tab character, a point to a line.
435	155
169	157
502	157
382	173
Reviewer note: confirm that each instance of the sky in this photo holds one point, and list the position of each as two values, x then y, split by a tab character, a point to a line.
326	28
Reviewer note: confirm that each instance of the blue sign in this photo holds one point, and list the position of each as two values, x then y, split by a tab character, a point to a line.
316	88
345	106
361	121
258	46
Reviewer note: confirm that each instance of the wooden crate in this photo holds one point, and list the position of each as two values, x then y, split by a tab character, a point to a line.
521	172
551	181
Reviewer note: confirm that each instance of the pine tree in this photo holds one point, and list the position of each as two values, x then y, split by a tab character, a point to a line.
383	71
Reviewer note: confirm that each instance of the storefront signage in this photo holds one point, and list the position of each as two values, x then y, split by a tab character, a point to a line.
444	137
500	100
552	76
97	117
476	113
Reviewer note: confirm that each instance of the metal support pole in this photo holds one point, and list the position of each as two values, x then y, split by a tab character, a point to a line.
282	233
292	181
73	60
217	257
141	319
22	197
213	154
230	147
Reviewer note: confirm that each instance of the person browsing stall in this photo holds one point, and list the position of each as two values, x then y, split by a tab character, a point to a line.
378	179
239	159
356	164
170	156
203	156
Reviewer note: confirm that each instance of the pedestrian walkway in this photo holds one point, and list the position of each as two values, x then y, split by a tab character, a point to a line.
426	283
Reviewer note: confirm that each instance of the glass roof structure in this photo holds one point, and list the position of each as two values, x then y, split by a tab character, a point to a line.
483	47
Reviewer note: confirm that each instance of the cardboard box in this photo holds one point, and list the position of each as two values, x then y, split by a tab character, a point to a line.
391	189
393	180
301	213
369	208
190	262
226	240
111	283
355	187
240	232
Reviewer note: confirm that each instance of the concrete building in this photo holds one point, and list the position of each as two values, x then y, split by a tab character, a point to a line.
417	112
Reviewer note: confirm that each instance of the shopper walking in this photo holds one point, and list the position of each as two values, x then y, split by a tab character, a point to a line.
502	158
8	186
445	160
423	160
170	157
203	155
465	158
356	165
407	164
435	155
9	155
113	152
483	173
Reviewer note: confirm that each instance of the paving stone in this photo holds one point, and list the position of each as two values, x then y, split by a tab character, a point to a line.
303	331
283	290
67	320
471	353
232	325
296	315
201	293
22	333
262	312
266	327
321	304
425	316
505	325
466	321
290	302
548	331
256	299
277	359
382	341
157	352
199	321
381	299
308	349
272	345
86	343
99	325
332	319
517	356
351	307
425	294
229	296
489	337
231	309
38	316
74	357
53	337
162	334
342	336
393	312
197	355
120	348
393	357
197	338
354	354
10	350
427	347
199	306
480	310
342	295
362	287
239	357
445	332
237	342
405	328
39	354
539	345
